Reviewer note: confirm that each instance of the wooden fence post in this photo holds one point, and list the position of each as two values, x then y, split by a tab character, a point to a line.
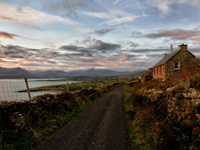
27	88
67	87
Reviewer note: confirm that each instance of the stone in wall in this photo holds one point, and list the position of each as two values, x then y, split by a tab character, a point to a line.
186	83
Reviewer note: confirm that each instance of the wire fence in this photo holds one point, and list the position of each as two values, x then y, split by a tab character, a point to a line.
16	89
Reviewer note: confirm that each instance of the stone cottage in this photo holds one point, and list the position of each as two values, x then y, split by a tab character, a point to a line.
172	64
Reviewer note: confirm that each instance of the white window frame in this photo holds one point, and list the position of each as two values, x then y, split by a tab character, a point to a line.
177	65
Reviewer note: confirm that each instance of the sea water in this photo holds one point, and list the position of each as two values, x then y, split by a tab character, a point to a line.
9	88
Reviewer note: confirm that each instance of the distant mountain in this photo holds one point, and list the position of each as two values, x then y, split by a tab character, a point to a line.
49	74
97	73
14	73
11	73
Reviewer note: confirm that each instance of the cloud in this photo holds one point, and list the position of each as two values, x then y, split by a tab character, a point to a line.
28	16
103	46
165	5
49	53
177	34
120	20
7	19
8	35
12	51
92	45
112	17
117	1
196	40
84	54
68	5
133	45
70	47
149	51
136	34
102	31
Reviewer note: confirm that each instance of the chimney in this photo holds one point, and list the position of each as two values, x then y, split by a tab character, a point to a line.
171	48
165	54
182	47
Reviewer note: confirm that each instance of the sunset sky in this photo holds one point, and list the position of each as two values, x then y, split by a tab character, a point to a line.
122	35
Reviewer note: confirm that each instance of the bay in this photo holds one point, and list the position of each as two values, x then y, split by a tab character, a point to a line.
9	88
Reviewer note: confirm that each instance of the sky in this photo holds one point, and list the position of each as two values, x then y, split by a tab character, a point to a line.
121	35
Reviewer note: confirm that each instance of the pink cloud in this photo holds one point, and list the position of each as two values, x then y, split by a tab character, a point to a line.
196	41
120	62
177	34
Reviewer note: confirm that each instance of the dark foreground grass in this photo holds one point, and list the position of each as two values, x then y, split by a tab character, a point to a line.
129	114
29	138
141	119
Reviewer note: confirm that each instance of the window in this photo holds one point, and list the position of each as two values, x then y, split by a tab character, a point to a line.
177	66
162	69
158	70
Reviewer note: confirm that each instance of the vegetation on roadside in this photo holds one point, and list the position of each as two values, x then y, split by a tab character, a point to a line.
150	124
41	122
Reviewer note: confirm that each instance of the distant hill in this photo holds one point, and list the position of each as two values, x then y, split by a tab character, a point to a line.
14	73
79	73
49	74
98	73
6	73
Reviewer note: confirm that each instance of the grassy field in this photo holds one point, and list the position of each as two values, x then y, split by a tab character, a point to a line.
78	86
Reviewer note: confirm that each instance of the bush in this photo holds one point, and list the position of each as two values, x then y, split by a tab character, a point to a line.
152	127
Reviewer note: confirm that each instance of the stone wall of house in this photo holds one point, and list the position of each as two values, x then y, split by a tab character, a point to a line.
188	64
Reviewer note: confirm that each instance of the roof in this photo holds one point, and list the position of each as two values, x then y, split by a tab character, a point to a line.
167	58
147	73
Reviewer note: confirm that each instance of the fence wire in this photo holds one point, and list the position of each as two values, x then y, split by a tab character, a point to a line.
11	90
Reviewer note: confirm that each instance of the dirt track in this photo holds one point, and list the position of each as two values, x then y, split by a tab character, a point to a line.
102	126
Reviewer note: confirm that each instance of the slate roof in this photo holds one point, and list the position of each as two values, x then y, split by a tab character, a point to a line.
167	58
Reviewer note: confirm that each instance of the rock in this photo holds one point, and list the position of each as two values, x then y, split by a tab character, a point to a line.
195	102
17	120
198	116
170	90
174	99
185	95
186	83
160	92
153	90
192	90
192	95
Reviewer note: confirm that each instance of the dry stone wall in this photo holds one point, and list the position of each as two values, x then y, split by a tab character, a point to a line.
180	103
19	116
